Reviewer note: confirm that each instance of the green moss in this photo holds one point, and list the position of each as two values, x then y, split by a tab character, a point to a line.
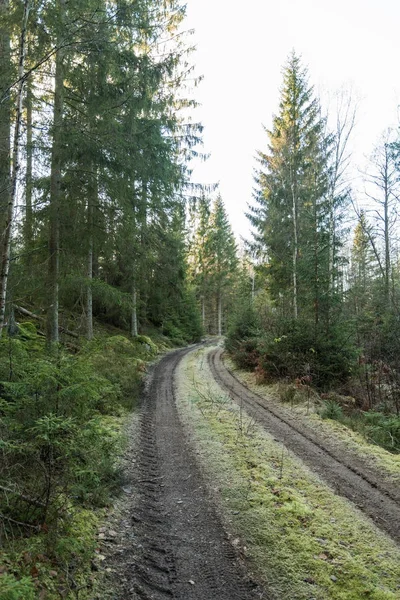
303	540
27	330
144	339
12	588
72	408
387	463
30	570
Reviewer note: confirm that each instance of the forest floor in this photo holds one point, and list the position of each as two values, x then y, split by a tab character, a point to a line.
228	496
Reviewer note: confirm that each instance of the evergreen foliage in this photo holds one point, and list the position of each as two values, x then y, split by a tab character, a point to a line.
213	263
318	315
290	215
104	180
93	94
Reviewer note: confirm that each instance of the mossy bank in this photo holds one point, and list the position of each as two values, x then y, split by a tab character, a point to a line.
62	422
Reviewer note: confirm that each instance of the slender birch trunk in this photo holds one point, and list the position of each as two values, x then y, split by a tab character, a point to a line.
5	117
28	224
332	228
203	311
7	236
386	225
52	336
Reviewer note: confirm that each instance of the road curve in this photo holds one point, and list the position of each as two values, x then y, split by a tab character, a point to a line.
345	472
185	553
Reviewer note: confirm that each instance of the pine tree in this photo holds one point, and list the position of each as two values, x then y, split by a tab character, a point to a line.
382	187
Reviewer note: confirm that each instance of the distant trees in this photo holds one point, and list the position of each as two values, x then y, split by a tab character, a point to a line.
214	263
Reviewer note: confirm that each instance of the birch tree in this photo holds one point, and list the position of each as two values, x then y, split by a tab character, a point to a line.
382	189
15	168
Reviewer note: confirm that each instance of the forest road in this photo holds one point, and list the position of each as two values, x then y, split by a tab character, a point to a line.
348	474
185	553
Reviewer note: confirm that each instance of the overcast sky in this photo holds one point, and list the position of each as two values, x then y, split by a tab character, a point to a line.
241	49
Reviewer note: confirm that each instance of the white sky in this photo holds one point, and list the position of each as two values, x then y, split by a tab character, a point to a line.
241	49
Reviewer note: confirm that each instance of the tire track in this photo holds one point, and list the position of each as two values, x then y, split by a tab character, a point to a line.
185	553
346	473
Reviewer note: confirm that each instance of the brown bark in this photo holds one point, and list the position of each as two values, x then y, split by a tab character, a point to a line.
92	200
134	321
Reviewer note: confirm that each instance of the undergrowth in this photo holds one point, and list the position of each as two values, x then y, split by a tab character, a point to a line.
303	540
349	430
61	419
378	428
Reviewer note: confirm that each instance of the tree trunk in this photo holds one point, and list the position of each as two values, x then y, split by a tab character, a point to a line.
387	226
7	236
134	321
295	251
93	194
55	193
5	116
144	245
316	267
219	313
28	224
89	294
203	311
331	250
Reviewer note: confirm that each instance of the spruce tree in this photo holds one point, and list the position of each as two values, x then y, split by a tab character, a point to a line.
290	211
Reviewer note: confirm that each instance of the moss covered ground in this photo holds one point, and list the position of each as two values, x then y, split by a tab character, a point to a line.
62	432
302	540
386	462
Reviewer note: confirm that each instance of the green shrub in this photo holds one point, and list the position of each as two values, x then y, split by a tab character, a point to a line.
242	325
383	430
174	333
14	589
332	410
291	348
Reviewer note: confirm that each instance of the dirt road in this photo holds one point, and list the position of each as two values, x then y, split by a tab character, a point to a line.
181	549
345	472
169	541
